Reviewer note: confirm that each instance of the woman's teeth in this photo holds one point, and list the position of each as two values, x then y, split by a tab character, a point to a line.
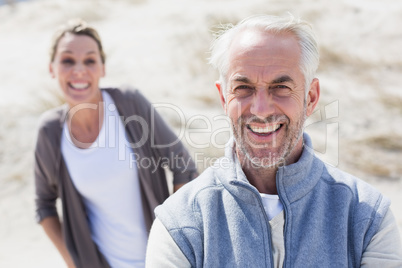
79	85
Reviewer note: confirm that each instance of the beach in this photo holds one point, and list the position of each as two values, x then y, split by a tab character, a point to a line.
161	48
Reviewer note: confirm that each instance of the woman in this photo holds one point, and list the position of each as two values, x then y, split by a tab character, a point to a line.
102	154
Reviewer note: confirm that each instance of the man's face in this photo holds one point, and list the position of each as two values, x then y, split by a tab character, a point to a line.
266	97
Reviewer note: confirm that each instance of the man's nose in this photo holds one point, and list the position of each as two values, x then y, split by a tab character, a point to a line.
262	104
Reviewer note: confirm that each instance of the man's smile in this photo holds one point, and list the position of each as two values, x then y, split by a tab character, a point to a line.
264	130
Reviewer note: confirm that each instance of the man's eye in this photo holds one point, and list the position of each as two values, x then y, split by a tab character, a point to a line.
243	91
281	90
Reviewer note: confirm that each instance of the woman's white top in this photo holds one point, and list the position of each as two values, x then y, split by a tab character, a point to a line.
106	176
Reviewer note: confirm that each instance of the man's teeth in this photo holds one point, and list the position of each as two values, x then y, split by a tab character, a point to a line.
79	85
265	130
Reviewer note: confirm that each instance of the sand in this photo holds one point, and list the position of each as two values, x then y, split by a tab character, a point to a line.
161	47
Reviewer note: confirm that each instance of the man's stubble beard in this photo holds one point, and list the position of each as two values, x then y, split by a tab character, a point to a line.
293	133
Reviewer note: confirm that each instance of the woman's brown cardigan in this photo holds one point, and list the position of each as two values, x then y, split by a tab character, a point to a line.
148	137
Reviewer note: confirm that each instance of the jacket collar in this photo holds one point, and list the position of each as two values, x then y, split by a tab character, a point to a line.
293	181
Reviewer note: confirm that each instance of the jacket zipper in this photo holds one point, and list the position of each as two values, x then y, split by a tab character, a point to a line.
265	217
285	208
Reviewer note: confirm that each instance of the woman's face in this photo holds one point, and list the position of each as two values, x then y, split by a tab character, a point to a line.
78	68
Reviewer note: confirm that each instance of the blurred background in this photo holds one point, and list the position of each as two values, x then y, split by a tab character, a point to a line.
161	47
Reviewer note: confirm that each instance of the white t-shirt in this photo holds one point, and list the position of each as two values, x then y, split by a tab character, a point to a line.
272	205
107	179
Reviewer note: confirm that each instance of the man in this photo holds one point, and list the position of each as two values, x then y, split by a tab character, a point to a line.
270	202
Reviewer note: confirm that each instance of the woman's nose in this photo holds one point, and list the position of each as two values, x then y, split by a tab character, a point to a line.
79	69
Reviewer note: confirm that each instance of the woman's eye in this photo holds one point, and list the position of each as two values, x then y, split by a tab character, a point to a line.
89	61
67	61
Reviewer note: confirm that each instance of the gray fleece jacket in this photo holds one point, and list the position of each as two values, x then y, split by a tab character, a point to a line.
218	220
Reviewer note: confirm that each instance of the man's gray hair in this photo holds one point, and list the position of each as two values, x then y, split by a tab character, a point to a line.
287	24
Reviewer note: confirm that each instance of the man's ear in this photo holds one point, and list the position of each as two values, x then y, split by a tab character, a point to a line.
51	71
313	96
221	94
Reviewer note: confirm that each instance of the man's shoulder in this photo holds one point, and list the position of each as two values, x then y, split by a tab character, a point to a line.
361	192
206	181
188	198
337	176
